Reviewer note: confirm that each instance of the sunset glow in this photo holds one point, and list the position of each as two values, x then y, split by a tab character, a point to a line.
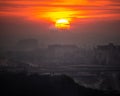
62	24
60	21
56	9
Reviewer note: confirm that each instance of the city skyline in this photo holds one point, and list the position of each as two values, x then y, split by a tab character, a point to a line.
91	22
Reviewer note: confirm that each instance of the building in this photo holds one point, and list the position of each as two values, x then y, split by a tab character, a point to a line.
108	54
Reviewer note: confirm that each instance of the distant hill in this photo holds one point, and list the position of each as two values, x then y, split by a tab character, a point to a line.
19	84
27	44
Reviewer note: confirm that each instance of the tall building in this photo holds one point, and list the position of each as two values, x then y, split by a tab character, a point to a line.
108	54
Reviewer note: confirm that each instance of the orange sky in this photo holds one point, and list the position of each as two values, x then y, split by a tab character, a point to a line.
91	21
55	9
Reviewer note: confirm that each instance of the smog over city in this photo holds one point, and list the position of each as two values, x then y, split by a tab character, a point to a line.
60	47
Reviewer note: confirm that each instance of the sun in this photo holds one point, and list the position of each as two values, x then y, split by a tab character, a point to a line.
62	24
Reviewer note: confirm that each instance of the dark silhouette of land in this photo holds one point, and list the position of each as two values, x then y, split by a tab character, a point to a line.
97	68
19	84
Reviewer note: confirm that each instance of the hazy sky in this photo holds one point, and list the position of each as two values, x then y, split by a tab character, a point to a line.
92	21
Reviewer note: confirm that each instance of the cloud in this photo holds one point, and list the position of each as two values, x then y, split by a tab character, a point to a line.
83	13
75	8
115	1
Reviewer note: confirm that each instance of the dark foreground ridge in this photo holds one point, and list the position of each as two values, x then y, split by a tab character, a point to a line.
21	84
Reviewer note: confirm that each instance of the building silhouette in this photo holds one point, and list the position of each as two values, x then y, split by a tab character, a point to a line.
108	54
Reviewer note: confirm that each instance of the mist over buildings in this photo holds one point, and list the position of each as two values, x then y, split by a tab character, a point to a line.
34	52
82	34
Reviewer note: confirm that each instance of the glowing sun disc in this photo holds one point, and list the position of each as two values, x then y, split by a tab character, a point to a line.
62	24
62	21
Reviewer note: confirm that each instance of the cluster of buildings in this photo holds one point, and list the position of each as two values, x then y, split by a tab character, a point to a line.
59	56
